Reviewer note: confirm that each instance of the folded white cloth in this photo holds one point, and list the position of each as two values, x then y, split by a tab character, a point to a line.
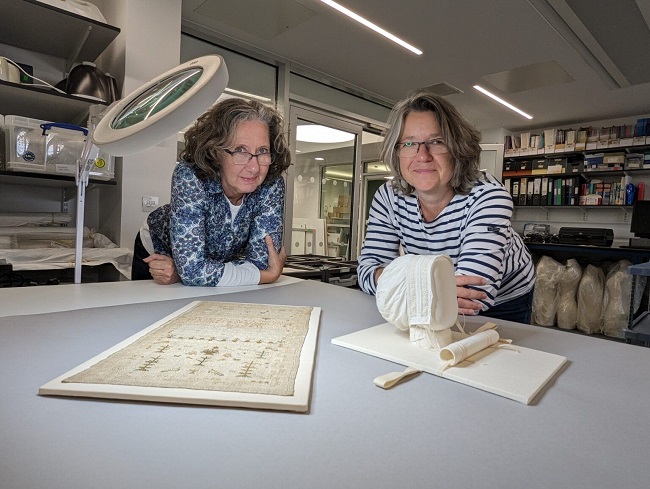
418	293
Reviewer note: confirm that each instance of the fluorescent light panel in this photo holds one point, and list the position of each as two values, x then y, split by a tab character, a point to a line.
314	133
372	26
502	102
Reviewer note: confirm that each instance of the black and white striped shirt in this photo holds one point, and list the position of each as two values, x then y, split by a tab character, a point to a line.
474	230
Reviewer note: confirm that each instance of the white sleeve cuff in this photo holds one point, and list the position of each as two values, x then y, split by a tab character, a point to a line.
244	274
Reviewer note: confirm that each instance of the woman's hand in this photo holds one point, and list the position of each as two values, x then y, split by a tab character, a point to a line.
162	269
276	263
467	298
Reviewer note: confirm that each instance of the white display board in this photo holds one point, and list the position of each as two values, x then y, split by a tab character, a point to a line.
513	372
208	352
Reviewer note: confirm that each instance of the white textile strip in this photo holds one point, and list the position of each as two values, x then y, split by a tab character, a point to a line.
419	290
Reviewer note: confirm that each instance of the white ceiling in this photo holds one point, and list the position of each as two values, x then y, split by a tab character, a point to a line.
463	42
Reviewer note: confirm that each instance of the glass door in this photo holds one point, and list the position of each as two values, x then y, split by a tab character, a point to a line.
321	186
375	173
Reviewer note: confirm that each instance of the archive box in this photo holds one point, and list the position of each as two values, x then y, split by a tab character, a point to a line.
56	152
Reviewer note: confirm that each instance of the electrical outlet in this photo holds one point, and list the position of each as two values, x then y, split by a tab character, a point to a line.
149	203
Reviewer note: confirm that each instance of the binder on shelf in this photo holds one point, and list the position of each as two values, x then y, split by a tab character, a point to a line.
543	195
515	192
537	191
530	191
557	191
523	186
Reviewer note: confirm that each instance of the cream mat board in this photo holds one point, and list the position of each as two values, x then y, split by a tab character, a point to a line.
212	353
513	372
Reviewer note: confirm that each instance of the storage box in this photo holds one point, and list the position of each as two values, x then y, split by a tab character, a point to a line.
539	166
556	165
634	161
56	152
24	144
575	166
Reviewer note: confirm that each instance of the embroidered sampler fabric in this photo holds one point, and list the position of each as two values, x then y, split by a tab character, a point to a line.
218	346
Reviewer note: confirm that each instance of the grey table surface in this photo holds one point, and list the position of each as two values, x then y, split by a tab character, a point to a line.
588	429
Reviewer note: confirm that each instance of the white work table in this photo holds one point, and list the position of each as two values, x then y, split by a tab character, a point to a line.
588	429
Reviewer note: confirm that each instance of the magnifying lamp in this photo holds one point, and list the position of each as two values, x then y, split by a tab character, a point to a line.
155	111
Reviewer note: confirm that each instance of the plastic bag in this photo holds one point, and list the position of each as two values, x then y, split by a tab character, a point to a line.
618	287
545	296
590	300
567	309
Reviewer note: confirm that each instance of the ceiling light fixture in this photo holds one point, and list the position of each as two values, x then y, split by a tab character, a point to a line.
372	26
239	93
502	102
314	133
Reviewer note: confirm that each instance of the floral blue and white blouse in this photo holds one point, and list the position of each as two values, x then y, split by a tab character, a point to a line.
197	230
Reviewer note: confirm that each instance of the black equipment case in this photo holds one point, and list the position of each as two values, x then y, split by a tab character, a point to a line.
586	236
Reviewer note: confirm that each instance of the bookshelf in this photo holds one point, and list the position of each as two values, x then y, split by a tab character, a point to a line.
579	178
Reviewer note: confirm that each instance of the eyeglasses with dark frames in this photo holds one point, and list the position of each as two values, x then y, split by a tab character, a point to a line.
409	149
243	157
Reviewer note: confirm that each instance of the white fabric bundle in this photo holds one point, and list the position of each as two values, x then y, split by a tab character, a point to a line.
590	300
567	309
418	293
545	296
618	287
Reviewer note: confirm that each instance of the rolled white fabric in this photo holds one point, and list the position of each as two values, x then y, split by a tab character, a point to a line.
419	292
465	348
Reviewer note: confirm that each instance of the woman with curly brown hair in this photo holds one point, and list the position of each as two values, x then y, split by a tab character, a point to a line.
224	223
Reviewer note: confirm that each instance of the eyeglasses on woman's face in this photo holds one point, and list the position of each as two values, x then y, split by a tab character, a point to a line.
241	157
409	149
